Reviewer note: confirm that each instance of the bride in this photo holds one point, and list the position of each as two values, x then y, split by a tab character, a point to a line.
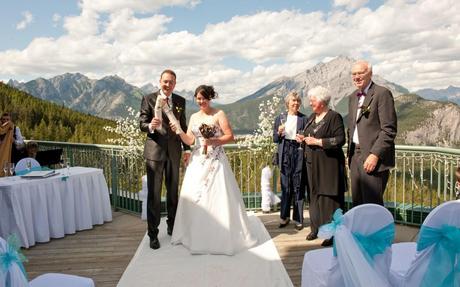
211	217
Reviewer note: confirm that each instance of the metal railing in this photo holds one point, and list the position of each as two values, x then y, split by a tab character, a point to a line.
423	177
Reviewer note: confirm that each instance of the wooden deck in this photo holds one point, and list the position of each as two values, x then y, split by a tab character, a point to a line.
104	252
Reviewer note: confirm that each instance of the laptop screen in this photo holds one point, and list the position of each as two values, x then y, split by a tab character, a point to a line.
49	157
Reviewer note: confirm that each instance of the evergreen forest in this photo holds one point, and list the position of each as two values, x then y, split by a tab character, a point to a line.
46	121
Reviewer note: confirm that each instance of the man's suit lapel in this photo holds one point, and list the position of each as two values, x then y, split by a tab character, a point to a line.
177	107
369	95
367	100
354	107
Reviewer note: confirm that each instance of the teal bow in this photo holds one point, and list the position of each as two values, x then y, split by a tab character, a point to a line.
370	245
337	220
375	243
25	171
12	255
330	228
444	267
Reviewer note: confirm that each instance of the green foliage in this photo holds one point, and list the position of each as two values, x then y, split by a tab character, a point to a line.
43	120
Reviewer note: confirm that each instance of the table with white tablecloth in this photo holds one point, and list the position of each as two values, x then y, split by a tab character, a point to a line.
39	209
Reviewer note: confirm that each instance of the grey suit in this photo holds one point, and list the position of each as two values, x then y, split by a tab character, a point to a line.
377	127
162	153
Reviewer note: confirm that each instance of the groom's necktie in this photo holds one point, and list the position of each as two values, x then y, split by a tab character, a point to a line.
168	101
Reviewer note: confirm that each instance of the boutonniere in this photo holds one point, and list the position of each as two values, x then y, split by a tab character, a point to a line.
365	111
179	109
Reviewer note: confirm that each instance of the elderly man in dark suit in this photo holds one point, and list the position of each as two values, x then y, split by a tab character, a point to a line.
372	127
162	152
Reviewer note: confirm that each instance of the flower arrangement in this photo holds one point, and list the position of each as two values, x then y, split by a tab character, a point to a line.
129	134
262	138
207	131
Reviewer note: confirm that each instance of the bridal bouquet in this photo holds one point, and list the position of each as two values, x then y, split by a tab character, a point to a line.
207	131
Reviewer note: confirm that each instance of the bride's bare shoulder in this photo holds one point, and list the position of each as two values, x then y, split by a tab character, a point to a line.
192	118
195	115
220	115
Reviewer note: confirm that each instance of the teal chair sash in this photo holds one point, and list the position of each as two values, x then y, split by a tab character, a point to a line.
25	171
375	243
12	255
370	245
444	266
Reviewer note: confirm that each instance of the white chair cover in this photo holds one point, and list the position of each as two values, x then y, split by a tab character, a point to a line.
408	266
16	278
143	197
61	280
22	164
14	274
268	197
350	267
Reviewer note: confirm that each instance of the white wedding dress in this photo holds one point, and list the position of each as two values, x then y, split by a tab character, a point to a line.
211	217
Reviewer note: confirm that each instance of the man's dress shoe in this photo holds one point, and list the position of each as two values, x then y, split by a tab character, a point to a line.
312	236
154	243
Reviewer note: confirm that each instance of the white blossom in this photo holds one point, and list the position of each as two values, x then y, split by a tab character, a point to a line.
130	136
262	138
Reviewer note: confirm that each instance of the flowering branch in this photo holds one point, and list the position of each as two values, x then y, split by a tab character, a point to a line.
262	139
129	134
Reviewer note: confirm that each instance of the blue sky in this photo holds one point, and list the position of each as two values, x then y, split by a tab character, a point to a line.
225	43
193	19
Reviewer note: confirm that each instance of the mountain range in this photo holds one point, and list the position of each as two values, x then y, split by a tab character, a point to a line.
420	121
450	94
335	75
107	97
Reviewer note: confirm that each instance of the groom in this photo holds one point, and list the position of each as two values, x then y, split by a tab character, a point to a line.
162	153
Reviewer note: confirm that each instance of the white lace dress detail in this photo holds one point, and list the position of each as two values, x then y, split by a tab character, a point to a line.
209	161
211	217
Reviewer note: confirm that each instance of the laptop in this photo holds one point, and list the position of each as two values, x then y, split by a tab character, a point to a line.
49	157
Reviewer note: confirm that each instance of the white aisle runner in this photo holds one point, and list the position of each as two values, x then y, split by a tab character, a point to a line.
174	266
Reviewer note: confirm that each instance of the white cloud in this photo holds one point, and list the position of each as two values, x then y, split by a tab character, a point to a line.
415	44
124	27
111	6
56	17
84	25
27	19
350	4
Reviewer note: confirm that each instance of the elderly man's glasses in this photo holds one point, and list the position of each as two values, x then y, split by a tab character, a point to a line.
358	73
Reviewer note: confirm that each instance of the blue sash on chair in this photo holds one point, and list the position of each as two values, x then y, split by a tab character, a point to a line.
444	266
25	171
370	245
11	256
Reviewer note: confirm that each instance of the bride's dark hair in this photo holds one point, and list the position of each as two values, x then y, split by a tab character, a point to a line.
206	91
